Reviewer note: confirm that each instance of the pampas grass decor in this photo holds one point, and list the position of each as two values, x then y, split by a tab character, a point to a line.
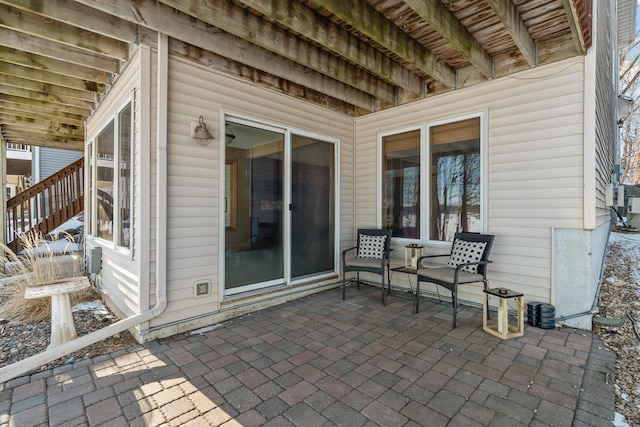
36	265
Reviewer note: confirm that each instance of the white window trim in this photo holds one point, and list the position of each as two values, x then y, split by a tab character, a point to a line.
424	184
381	136
114	118
425	173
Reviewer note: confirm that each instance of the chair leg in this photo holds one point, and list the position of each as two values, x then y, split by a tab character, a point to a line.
416	302
488	311
454	299
358	279
384	298
344	286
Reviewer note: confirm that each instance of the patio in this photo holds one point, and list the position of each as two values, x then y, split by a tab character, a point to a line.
323	361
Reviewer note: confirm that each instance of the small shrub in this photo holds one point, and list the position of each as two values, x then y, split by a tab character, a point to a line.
36	265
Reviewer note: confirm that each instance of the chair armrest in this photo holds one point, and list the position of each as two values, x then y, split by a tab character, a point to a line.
344	253
460	266
419	262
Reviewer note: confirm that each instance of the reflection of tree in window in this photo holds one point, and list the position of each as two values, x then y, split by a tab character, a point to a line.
455	179
401	184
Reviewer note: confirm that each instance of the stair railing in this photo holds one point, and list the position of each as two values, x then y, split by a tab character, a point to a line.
46	205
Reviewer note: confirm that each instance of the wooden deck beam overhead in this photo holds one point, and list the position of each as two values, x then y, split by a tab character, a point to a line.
57	57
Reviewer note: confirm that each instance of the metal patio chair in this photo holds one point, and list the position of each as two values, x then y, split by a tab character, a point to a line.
467	264
371	254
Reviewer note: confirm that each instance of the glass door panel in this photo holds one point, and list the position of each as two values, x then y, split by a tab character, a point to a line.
313	206
254	204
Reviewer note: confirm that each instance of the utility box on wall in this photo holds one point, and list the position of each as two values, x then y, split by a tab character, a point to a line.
94	260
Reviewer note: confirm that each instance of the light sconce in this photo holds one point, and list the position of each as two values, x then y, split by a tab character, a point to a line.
200	133
229	137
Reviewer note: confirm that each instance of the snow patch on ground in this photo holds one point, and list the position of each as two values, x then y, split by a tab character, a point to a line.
630	243
620	421
96	306
206	329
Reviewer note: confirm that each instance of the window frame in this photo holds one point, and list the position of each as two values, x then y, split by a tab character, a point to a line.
92	174
425	174
380	179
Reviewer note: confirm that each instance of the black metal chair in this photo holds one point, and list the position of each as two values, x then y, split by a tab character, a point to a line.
371	254
467	263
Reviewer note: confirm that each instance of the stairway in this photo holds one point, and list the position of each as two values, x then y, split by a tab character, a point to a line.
46	205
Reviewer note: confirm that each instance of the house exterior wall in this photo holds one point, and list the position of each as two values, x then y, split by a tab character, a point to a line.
580	254
120	276
194	186
47	161
535	159
534	167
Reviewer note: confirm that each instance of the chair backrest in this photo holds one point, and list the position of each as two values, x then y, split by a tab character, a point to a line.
375	232
477	237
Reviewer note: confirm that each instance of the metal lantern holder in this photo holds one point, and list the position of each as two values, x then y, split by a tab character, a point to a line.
411	254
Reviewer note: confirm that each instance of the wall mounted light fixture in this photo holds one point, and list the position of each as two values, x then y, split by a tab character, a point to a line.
200	133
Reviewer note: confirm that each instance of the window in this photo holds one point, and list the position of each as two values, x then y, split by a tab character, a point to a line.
454	179
431	191
104	187
124	185
110	178
401	184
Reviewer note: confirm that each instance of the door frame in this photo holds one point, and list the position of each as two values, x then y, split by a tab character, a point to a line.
287	131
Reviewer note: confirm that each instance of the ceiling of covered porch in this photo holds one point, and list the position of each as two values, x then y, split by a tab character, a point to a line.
59	57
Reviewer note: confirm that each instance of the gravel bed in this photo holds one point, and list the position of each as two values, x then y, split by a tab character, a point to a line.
21	340
620	297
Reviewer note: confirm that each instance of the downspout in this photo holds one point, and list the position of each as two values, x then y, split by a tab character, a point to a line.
14	370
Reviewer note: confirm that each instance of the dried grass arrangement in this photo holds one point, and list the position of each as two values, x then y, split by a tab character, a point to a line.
36	265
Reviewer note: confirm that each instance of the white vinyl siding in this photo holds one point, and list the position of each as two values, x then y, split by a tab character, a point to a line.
193	174
605	109
120	275
534	161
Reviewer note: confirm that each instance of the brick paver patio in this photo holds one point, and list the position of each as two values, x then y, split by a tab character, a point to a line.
321	361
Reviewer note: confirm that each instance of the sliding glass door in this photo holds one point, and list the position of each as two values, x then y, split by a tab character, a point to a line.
313	207
279	207
254	207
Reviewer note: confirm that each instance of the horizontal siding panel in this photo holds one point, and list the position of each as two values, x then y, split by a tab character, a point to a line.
550	168
550	213
556	151
546	223
539	135
574	182
530	203
534	174
532	125
183	242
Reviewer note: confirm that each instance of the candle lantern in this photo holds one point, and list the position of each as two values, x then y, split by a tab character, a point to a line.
411	254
